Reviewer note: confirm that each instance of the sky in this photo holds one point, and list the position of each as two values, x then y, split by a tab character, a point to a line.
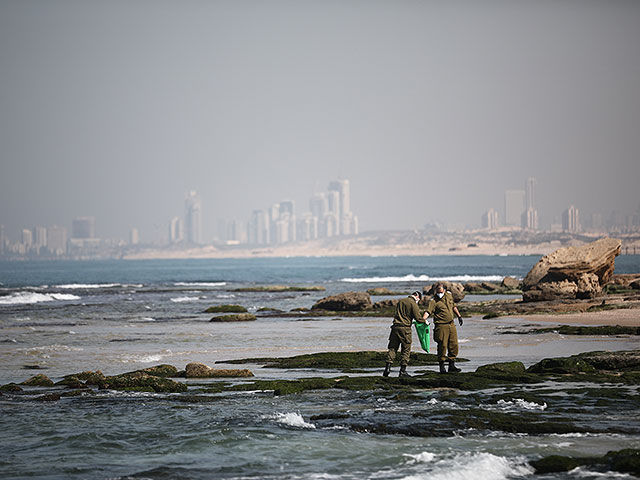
431	109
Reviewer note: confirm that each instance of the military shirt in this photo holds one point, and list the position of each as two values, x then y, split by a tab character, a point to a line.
441	309
406	311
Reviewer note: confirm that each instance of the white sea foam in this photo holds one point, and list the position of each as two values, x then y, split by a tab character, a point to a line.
144	357
184	299
426	278
479	466
292	419
424	457
519	404
200	284
21	298
88	286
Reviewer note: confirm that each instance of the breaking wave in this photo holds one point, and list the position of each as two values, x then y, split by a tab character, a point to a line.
184	299
200	284
479	466
19	298
87	286
292	419
426	278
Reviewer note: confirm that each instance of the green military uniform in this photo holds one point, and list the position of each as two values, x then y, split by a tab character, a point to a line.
444	333
406	311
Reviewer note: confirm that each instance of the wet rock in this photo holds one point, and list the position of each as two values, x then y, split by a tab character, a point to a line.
143	382
573	364
48	397
385	291
572	272
96	378
386	304
11	388
510	283
635	284
456	289
556	463
226	309
200	370
39	380
236	317
504	367
71	382
161	371
623	461
348	301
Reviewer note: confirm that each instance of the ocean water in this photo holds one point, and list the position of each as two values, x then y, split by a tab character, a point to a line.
118	316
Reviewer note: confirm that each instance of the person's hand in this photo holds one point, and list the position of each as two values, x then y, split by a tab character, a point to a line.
460	321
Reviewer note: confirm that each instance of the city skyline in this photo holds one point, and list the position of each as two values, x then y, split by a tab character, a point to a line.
431	109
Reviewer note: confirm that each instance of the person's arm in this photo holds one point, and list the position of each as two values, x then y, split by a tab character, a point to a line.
416	314
457	312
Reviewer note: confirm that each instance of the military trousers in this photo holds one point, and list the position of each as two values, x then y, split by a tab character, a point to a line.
400	337
446	336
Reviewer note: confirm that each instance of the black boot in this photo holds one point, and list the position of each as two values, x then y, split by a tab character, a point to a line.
403	371
442	369
453	368
387	370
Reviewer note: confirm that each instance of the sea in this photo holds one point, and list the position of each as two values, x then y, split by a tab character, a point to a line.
63	317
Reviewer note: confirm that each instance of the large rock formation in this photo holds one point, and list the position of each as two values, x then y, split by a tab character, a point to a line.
348	301
456	289
572	272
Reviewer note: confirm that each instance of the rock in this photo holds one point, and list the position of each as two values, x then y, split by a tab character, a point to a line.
504	367
456	289
90	378
473	287
635	284
226	309
510	283
385	304
161	371
200	370
237	317
11	388
572	272
348	301
39	380
142	382
490	287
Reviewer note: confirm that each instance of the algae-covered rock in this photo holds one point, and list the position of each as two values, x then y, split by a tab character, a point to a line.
39	380
11	388
200	370
238	317
624	461
143	382
556	463
226	309
572	364
348	301
504	367
96	378
161	371
71	382
590	362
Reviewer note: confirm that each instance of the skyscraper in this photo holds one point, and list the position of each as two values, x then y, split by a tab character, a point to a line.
193	218
490	219
83	228
530	219
513	207
27	238
40	234
344	204
530	189
57	240
258	229
176	233
134	236
571	220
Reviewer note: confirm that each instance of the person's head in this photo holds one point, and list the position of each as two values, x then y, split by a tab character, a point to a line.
417	295
439	290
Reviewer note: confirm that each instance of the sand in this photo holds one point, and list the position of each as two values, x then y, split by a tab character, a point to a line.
623	317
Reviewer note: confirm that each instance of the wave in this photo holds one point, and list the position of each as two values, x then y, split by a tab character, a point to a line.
479	466
87	286
292	419
519	404
426	278
21	298
184	299
200	284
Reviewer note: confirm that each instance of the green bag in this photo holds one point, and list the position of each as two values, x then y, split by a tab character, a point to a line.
422	329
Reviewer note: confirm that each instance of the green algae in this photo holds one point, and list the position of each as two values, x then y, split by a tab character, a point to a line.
237	317
39	380
226	309
608	330
623	461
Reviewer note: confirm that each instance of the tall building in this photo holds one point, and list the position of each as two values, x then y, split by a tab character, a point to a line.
318	205
134	237
27	238
513	207
571	220
176	231
83	228
530	219
490	219
258	228
530	191
2	240
57	240
193	218
40	240
344	203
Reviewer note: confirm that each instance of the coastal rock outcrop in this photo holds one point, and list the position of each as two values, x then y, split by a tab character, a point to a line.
235	317
572	272
348	301
200	370
456	289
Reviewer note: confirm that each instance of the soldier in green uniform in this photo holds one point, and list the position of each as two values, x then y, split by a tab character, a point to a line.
442	308
406	311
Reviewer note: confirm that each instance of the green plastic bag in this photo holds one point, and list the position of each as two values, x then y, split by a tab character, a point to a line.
423	330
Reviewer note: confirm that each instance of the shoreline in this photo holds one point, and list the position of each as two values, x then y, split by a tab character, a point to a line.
623	317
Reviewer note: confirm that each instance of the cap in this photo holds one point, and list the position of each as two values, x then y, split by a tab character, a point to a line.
418	294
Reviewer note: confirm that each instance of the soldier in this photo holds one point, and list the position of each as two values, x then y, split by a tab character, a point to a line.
442	308
406	311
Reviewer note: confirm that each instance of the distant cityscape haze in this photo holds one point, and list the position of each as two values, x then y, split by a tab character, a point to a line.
432	110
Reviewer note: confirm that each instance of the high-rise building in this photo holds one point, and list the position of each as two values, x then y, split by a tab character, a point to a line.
490	219
193	218
176	233
530	219
57	240
530	190
27	238
2	240
343	206
258	228
134	236
318	205
40	240
83	228
513	207
571	220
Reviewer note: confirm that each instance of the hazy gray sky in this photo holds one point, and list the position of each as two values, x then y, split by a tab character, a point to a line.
432	109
